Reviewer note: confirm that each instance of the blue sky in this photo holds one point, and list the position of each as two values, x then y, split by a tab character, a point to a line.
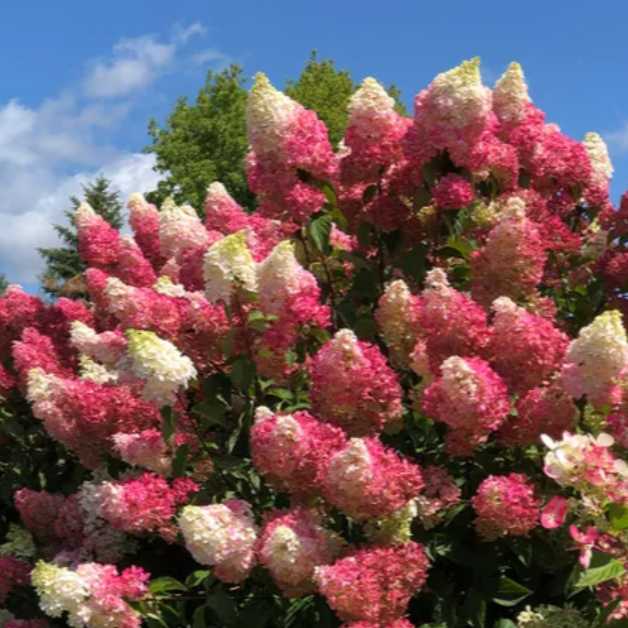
79	80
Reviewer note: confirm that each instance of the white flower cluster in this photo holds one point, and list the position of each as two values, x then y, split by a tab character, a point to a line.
599	158
221	535
597	359
269	115
60	590
228	265
460	96
371	109
179	228
394	316
159	363
510	95
278	277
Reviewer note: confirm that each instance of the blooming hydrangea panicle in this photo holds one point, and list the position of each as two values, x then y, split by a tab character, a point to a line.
143	504
292	450
453	113
397	316
93	595
543	410
285	138
291	545
528	349
452	192
222	536
510	95
222	212
14	573
98	241
144	220
365	479
505	505
597	360
180	228
373	583
602	168
372	142
512	261
469	397
146	449
107	347
451	323
229	265
551	617
353	387
159	364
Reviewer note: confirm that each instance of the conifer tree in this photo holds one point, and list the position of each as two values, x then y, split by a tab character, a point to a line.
62	274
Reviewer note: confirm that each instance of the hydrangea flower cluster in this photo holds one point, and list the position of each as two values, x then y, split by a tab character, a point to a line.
374	584
292	545
505	505
93	595
353	387
420	330
222	536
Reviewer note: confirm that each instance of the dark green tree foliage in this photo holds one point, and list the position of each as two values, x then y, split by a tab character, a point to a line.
204	142
63	263
4	283
325	90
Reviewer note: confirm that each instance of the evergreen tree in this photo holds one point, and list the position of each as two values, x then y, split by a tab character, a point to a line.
4	283
206	141
62	274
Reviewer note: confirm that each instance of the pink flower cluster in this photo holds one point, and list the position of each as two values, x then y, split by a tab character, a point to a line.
469	397
505	505
374	584
353	387
292	451
13	573
292	545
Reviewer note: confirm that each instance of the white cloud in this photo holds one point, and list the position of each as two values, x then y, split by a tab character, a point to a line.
183	33
134	65
44	201
48	152
617	140
210	56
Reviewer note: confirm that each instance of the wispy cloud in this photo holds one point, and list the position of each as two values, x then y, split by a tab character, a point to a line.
617	140
47	152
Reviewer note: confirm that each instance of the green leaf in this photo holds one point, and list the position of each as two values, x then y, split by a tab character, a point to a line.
199	619
227	341
243	373
602	568
504	623
255	614
155	621
475	608
354	258
168	424
365	328
211	412
413	263
164	584
320	228
510	593
197	577
180	460
422	198
618	516
224	607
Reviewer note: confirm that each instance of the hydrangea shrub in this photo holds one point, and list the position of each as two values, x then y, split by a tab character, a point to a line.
393	395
